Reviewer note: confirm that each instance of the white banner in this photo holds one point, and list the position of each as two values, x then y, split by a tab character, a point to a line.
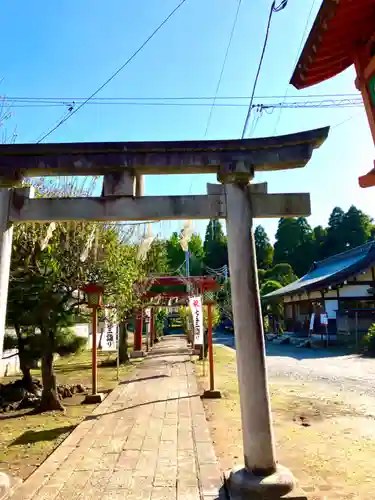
195	304
324	319
109	338
312	319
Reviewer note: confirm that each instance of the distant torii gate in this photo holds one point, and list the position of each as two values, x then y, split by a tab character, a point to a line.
239	202
169	287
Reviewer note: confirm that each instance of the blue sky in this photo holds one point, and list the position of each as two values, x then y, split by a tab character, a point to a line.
69	48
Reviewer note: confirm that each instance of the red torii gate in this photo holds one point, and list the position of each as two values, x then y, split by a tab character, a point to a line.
343	34
201	285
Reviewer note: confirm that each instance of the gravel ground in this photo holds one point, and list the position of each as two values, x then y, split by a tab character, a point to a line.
345	372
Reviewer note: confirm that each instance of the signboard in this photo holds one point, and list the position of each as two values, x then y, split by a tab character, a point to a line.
324	319
312	319
195	304
109	337
147	316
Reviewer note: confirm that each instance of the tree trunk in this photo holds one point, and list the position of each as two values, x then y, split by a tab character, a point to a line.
123	343
50	400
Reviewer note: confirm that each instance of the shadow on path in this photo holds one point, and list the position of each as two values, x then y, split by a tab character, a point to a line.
95	417
30	437
151	377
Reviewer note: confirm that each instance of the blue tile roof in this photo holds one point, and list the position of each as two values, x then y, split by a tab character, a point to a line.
332	271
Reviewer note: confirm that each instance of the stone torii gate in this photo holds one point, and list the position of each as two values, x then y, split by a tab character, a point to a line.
123	166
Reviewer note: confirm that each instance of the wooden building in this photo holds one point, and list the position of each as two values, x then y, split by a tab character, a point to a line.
343	286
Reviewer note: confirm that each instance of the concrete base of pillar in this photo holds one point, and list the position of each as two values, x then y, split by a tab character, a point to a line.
211	394
242	485
93	399
5	485
137	354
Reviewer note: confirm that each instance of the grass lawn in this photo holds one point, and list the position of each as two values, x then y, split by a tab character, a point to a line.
332	457
27	440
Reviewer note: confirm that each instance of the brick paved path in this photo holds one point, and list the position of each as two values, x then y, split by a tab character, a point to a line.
148	440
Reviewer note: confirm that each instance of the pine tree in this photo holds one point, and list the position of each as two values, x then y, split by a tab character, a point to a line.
263	247
215	246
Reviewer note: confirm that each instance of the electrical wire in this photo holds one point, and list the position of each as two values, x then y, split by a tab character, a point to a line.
356	115
298	53
273	9
330	103
65	101
223	65
257	117
150	37
285	104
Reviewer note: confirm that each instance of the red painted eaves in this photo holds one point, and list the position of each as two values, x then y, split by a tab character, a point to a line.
338	28
367	180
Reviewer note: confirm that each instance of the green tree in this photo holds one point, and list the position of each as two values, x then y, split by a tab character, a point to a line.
335	239
272	305
281	273
263	247
196	254
29	344
156	261
347	230
356	227
175	254
294	244
215	246
320	238
49	268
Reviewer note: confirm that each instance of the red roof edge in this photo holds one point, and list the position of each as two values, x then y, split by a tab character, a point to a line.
327	9
367	180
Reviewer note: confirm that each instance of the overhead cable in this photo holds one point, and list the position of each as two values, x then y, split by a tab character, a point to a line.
273	9
295	62
71	100
150	37
223	66
356	101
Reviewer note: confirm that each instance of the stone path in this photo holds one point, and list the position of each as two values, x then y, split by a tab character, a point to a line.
148	440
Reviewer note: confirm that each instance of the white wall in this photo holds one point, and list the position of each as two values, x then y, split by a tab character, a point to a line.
354	291
331	307
367	276
10	364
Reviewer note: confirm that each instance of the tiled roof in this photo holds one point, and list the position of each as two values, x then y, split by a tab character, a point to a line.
332	271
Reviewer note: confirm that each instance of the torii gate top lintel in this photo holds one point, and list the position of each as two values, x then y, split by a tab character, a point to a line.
124	164
156	158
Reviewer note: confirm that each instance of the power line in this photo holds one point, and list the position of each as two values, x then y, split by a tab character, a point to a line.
75	110
258	106
273	9
69	100
356	115
298	52
330	103
223	66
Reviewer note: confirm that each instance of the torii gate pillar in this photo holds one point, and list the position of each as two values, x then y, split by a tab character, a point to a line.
6	235
261	476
